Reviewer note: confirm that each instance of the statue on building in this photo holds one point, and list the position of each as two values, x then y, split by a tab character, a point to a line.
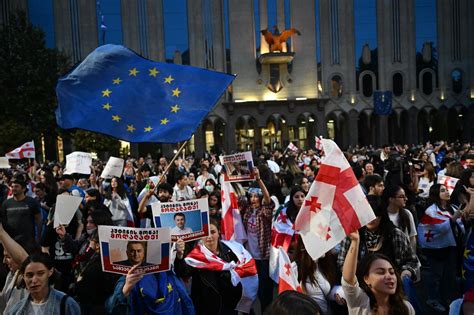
276	39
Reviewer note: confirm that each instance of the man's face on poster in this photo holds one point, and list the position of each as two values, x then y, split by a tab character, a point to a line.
136	253
179	220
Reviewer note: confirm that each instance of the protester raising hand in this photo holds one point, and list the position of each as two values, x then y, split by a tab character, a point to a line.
133	276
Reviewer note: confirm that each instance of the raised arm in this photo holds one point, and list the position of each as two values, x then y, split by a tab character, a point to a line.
350	264
266	195
15	250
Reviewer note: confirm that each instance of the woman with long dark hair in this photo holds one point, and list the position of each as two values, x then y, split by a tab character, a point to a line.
317	278
117	201
439	229
377	287
37	272
394	202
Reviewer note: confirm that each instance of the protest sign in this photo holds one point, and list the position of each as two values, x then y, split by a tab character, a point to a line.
188	219
65	208
238	167
78	162
4	162
121	248
114	168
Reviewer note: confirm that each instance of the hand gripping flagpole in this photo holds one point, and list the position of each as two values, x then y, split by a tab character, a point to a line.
170	163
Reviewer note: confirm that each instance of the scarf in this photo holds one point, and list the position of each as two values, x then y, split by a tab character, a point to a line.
243	271
372	239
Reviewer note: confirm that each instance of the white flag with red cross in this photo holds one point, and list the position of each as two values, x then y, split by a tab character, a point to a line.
232	227
288	273
318	142
282	233
292	147
448	182
334	206
26	151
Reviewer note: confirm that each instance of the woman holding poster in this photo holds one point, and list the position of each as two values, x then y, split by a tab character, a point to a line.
117	201
212	290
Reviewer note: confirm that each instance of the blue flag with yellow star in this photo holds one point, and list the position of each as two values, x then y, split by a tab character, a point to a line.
383	102
119	93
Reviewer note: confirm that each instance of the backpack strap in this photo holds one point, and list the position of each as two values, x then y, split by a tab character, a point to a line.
62	307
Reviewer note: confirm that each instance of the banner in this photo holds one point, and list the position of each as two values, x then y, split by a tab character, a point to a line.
65	208
78	162
121	248
238	167
4	162
188	219
114	168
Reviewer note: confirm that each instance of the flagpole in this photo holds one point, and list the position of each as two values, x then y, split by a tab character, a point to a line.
170	163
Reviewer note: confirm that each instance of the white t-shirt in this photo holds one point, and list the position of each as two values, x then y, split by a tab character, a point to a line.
177	231
252	236
319	291
36	309
394	218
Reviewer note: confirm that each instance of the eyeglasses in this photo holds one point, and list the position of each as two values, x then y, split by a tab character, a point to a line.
401	197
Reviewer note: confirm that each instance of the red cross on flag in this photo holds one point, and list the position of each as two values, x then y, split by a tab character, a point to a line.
434	230
318	142
26	151
287	273
292	147
448	182
334	206
232	227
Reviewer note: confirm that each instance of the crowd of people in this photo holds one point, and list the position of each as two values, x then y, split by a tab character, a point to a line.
421	236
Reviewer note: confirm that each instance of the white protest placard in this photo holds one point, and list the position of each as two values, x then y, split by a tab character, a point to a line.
238	167
4	162
114	168
151	248
78	162
187	219
65	208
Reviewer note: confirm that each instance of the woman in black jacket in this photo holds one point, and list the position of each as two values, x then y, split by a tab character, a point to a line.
212	291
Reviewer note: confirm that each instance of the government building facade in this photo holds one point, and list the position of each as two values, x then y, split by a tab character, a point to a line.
321	82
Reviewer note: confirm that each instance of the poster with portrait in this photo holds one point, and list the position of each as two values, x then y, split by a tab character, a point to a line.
238	167
187	219
122	248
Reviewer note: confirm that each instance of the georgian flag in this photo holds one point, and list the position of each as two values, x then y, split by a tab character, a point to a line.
435	231
282	233
448	182
334	206
292	147
288	273
231	226
318	142
243	271
26	151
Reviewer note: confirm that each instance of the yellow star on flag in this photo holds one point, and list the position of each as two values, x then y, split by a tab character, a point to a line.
153	72
169	79
107	106
175	108
133	72
170	287
116	118
164	121
466	252
148	129
176	92
130	128
106	93
117	81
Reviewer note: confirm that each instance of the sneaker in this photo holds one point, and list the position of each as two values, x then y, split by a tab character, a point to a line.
437	306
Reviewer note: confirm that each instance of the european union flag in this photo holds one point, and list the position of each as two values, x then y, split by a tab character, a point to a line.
383	102
117	92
